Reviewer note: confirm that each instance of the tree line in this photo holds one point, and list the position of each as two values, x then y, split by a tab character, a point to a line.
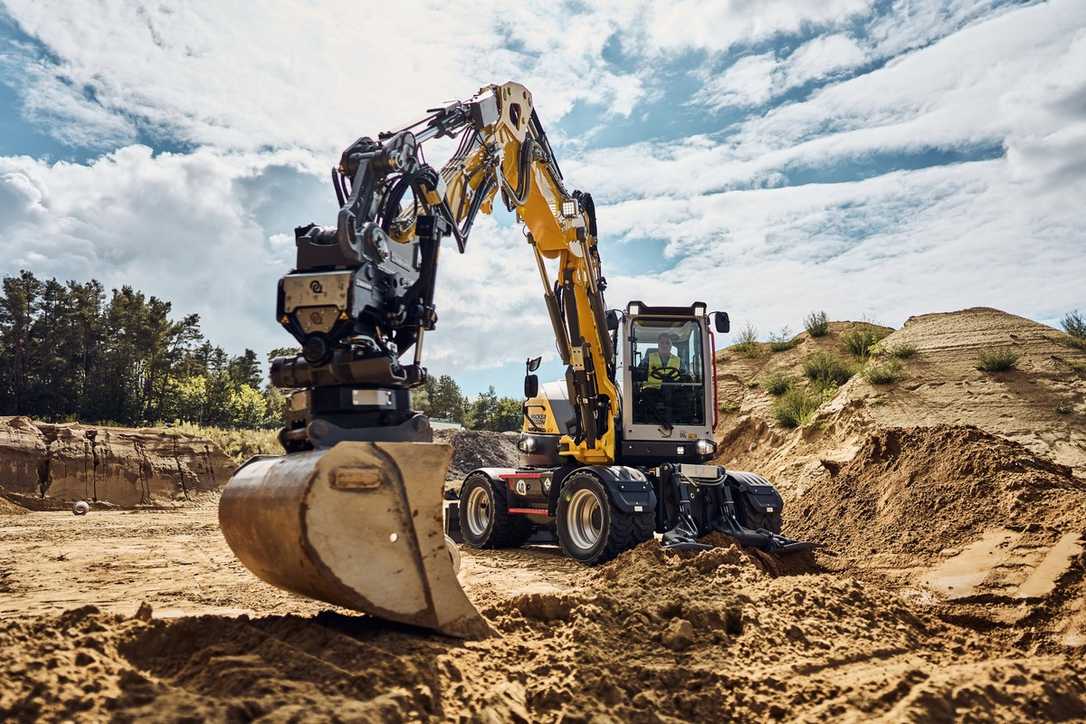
70	351
441	398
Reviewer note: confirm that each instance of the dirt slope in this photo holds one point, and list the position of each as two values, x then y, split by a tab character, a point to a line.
124	466
962	489
1041	404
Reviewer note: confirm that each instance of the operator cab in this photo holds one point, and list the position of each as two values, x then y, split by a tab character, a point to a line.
667	377
664	363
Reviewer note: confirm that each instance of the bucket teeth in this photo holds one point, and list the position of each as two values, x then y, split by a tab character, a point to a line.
358	525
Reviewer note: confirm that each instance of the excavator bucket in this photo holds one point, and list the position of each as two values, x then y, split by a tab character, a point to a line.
358	525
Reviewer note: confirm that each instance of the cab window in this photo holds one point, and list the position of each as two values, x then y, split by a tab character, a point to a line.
668	390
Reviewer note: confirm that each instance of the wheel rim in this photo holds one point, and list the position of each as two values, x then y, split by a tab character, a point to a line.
479	511
585	519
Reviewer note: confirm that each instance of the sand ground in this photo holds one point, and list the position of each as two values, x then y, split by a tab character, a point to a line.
648	637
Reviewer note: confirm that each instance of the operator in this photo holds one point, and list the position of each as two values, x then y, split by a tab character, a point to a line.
651	396
657	358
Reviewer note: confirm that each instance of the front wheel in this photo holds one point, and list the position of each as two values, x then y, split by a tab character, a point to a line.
590	528
485	521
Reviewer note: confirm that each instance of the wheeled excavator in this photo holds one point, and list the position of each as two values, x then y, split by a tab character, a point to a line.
352	513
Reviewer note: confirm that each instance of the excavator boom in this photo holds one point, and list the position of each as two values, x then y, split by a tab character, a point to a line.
351	514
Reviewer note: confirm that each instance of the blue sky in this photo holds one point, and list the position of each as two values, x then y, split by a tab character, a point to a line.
876	159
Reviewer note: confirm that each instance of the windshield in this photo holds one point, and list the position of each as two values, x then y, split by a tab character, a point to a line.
667	372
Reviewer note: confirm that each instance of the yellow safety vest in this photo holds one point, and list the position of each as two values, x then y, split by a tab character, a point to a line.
654	363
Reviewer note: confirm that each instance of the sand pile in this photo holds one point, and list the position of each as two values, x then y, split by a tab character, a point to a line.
924	489
9	508
124	466
649	637
965	490
477	449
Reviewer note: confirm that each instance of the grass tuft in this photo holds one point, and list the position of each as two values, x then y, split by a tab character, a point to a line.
782	341
817	324
747	341
1074	324
826	369
777	383
904	350
796	407
860	342
238	444
884	373
729	407
998	360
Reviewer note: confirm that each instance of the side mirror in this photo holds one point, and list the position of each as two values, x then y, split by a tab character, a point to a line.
531	386
532	364
721	322
612	320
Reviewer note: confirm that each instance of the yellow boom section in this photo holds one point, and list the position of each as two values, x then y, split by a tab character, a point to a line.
559	227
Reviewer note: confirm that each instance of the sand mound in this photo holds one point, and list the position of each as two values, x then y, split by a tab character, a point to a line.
651	636
921	490
9	508
477	449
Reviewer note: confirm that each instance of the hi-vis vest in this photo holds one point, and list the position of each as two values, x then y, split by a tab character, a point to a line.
654	363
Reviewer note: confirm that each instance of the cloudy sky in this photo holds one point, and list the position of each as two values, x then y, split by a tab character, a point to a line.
873	158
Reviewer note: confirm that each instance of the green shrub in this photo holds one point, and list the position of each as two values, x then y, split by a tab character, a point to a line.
729	407
859	342
998	360
238	444
747	341
817	324
783	340
777	383
826	369
1074	324
796	407
902	350
883	373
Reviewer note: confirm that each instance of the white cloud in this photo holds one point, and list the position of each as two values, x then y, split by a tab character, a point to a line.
822	56
1015	80
987	232
887	247
718	26
171	225
200	230
303	75
749	81
754	80
211	229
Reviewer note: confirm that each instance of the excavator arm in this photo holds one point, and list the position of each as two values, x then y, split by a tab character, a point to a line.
351	514
390	198
505	150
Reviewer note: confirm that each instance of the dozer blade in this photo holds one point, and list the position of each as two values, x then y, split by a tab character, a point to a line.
357	525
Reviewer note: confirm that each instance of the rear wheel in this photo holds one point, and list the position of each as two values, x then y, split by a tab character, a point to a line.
590	528
485	521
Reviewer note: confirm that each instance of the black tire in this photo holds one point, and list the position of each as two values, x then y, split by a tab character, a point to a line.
617	531
500	529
